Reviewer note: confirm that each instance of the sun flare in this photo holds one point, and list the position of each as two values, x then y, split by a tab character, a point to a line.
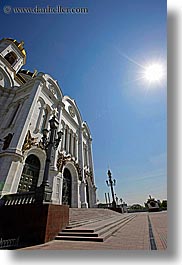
151	74
154	73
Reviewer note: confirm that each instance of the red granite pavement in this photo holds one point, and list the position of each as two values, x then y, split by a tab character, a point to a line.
133	236
159	227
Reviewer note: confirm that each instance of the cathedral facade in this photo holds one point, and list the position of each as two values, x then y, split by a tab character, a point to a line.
27	103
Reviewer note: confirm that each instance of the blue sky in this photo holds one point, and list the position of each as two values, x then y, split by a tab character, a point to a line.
93	56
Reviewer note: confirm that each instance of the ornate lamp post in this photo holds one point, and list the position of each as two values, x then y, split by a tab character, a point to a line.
111	183
48	143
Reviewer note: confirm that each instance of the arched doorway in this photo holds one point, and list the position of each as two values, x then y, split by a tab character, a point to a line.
67	183
30	174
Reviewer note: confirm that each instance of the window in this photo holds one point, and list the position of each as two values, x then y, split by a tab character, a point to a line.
44	120
11	57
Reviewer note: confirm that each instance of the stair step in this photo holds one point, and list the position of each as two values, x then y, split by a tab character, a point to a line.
112	230
112	227
84	222
78	230
103	231
87	214
76	238
113	222
78	234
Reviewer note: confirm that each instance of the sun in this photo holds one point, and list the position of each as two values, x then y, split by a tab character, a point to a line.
151	74
154	73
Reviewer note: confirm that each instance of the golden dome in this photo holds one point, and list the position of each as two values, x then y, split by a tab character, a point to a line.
20	47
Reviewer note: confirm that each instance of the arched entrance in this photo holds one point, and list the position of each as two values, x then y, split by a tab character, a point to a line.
30	174
67	187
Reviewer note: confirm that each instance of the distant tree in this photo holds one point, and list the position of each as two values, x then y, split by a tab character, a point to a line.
164	204
136	207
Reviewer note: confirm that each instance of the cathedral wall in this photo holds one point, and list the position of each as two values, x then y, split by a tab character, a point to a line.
26	106
10	167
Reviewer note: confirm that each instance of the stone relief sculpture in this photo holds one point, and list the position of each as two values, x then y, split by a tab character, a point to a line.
29	142
62	160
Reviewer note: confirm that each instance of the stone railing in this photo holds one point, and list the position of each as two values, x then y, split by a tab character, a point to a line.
18	198
9	243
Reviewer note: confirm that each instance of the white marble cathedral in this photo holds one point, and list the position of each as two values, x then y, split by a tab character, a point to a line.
27	102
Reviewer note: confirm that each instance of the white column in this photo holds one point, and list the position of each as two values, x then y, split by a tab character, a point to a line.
80	150
91	166
57	189
75	200
68	140
72	144
60	110
86	161
93	192
76	147
83	196
88	155
84	155
47	125
63	138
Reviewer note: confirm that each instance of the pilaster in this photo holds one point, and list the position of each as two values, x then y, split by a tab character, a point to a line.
83	195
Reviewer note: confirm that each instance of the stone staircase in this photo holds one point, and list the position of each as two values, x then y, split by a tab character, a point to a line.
93	224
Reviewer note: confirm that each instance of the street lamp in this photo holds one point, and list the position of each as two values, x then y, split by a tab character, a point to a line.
48	143
111	183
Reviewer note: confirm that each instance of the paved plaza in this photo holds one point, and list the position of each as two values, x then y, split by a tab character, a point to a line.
147	231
